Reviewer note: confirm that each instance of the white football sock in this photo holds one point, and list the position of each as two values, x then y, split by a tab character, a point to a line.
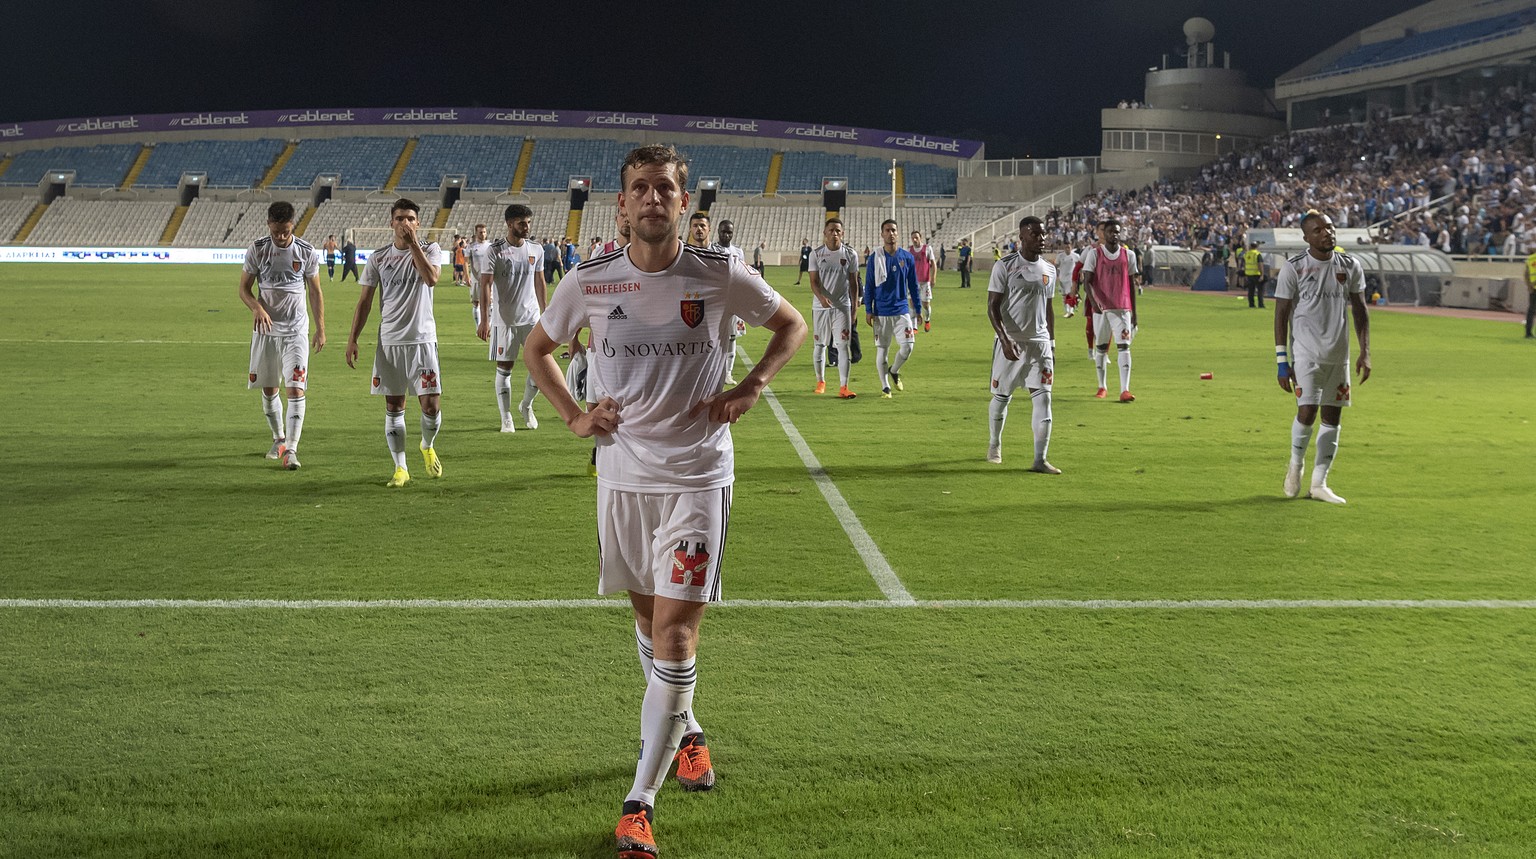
648	664
844	362
529	390
819	361
1040	421
881	364
430	424
474	312
1301	434
504	391
295	421
1327	449
273	408
663	721
1099	360
1125	369
902	355
394	435
997	412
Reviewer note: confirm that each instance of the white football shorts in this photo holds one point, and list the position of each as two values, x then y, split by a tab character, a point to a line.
1321	384
506	341
1034	370
668	545
926	291
409	369
893	328
279	361
1112	326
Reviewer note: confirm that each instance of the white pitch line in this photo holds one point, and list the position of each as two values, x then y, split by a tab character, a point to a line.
869	551
618	604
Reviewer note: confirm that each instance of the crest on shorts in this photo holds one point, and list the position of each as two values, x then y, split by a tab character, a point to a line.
253	378
298	374
689	568
1343	393
692	309
429	378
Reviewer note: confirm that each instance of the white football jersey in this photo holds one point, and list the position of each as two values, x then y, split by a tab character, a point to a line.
832	268
1320	291
1027	288
662	341
280	274
405	300
513	271
475	258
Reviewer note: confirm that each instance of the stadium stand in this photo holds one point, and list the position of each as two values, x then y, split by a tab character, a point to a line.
227	225
102	166
108	223
556	160
742	170
487	162
929	180
228	163
1455	178
1429	42
804	170
13	213
362	162
338	217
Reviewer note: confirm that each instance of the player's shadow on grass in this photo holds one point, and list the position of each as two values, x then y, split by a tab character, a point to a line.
533	794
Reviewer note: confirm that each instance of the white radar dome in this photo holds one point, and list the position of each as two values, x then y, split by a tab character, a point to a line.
1198	31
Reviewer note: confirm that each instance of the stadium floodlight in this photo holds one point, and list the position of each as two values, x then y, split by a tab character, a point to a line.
709	184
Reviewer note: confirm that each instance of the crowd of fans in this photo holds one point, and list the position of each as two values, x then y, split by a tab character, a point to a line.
1461	179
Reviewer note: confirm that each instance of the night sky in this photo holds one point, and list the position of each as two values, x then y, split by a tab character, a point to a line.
1025	77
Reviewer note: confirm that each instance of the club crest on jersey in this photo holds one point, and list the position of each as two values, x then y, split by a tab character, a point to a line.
530	259
297	266
1341	277
691	308
689	568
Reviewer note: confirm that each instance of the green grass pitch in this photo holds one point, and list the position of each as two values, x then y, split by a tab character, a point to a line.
134	470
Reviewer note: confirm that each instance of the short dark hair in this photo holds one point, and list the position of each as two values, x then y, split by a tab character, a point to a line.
700	215
280	212
833	220
1030	219
515	211
656	153
403	203
887	221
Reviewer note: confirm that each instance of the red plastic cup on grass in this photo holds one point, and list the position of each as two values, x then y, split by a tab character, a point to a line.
1206	376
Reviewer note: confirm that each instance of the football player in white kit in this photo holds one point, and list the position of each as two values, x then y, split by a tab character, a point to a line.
1023	353
835	287
512	286
1108	275
927	271
475	261
727	233
285	267
1315	295
403	273
660	316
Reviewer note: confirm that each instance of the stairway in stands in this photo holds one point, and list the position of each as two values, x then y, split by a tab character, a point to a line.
775	167
137	168
573	226
277	166
524	161
401	163
304	219
173	226
30	223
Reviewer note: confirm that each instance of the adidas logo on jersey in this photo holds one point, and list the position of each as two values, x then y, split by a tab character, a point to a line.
617	313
